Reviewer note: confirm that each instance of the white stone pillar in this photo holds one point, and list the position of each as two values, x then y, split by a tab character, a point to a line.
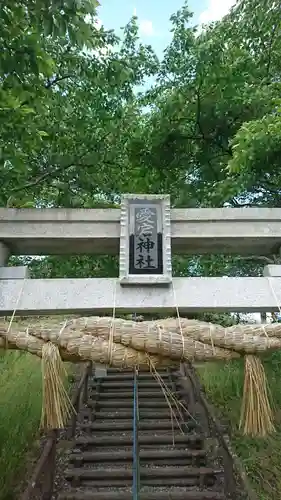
4	254
272	271
10	273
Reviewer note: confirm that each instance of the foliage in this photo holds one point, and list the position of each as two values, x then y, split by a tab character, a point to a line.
260	458
207	131
74	130
20	394
29	69
216	95
67	112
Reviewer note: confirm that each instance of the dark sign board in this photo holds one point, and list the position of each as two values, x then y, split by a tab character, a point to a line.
145	240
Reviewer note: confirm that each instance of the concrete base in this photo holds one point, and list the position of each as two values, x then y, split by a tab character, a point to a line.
100	370
14	273
272	270
100	296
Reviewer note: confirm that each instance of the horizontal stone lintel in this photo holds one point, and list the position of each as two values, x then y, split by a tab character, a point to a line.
243	231
99	296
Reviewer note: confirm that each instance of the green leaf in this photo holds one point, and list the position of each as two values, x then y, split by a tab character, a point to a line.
28	204
27	111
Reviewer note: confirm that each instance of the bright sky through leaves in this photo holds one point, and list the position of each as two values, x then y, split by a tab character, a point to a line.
154	16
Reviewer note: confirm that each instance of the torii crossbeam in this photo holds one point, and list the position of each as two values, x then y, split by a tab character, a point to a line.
144	232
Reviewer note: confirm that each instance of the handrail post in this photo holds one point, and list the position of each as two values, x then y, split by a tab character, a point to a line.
76	405
47	461
86	384
228	465
50	469
136	478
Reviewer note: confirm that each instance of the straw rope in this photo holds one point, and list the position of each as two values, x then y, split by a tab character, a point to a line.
190	328
56	405
77	347
174	338
256	416
75	336
150	345
256	412
168	334
146	345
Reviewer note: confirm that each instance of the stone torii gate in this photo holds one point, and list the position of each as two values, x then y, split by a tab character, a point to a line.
144	232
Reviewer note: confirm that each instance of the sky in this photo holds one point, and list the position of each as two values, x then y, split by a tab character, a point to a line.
154	15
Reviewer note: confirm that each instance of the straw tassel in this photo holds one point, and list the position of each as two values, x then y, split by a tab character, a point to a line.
256	414
56	405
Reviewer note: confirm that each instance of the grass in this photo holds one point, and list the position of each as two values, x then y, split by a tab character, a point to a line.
20	414
20	411
261	458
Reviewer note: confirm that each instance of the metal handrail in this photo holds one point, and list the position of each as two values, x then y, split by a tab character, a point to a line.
136	473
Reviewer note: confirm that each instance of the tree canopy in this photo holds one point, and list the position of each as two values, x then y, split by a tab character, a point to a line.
76	132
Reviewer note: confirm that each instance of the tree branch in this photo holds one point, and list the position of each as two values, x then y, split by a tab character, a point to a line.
57	79
42	177
198	110
198	124
258	257
269	54
237	204
61	168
